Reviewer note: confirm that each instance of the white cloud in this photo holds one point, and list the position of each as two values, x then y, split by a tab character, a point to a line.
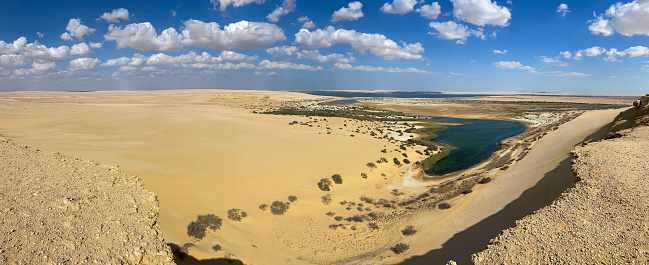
143	37
554	61
115	15
500	51
282	53
223	4
601	26
287	7
189	60
76	29
239	35
81	49
268	65
450	30
307	23
377	44
40	35
590	52
84	64
627	19
353	12
173	13
431	11
399	7
563	9
16	46
366	68
39	51
566	54
481	12
564	74
37	69
13	61
512	65
66	36
319	58
118	61
636	51
95	45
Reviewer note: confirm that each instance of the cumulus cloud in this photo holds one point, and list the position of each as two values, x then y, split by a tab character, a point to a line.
377	44
512	65
16	46
268	65
189	60
352	12
39	51
566	54
80	49
306	22
500	51
399	7
76	29
38	69
40	35
627	19
9	61
115	15
239	35
590	52
223	4
143	37
563	9
450	30
319	58
282	53
84	64
95	45
481	12
367	68
287	7
431	11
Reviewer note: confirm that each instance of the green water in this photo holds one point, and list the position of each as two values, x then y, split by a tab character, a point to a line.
475	142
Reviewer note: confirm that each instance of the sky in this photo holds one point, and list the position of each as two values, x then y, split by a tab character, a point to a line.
577	47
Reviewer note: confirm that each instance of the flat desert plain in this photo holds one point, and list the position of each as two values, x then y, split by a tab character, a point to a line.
206	152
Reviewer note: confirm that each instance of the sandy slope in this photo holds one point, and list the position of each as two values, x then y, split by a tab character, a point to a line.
529	184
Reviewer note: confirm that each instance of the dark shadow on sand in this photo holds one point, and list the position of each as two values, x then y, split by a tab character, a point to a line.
185	259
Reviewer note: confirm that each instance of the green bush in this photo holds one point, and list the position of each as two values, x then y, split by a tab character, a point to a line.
236	214
263	207
371	165
409	230
400	248
278	207
363	175
338	218
217	247
444	206
324	184
337	179
396	161
330	213
292	198
326	200
406	161
197	228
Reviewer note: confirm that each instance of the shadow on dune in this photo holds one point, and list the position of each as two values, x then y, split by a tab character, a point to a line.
474	239
185	259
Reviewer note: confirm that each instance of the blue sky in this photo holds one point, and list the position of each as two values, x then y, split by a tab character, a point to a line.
585	47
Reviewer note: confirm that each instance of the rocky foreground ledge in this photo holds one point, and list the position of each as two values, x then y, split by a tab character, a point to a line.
602	219
56	209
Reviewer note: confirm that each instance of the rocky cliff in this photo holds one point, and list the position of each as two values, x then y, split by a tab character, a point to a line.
603	218
56	209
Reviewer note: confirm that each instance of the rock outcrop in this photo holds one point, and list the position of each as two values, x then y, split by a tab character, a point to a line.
603	219
56	209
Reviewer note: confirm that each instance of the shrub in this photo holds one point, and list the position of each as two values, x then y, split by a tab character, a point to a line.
373	226
338	218
485	180
467	191
278	208
363	175
444	206
404	154
366	199
337	179
355	218
263	207
236	214
326	200
330	213
406	161
385	160
196	230
384	151
217	247
396	161
400	248
292	198
324	184
409	230
371	165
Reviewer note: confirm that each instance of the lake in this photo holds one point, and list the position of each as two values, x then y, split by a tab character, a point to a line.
475	142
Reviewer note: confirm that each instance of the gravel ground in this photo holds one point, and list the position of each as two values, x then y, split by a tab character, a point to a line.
603	219
56	209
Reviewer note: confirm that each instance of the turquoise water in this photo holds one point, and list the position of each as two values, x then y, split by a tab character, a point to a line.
474	142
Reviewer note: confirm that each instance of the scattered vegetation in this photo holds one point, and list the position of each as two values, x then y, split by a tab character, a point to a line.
400	248
263	207
217	247
330	213
406	161
326	200
337	179
444	206
409	230
396	161
373	226
236	214
363	175
371	165
197	229
292	198
324	184
338	218
279	208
